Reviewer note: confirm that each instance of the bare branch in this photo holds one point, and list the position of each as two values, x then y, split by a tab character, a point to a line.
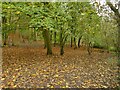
113	9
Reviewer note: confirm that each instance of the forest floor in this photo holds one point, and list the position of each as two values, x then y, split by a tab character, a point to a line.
30	67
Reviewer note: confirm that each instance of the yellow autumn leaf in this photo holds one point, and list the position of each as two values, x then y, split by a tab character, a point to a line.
14	80
14	86
76	77
67	86
56	76
63	87
33	75
51	86
16	69
104	86
18	12
3	79
13	76
48	85
60	82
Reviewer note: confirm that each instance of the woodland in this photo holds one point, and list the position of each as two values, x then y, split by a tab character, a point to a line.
60	44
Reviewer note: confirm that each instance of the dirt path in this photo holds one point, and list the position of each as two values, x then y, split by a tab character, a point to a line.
30	67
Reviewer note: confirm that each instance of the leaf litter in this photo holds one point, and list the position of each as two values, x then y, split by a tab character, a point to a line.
30	67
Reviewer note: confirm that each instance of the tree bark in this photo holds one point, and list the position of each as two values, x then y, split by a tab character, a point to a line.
44	39
61	50
61	37
75	46
35	37
117	14
89	48
79	41
62	45
118	40
5	39
113	9
4	20
47	42
71	41
51	35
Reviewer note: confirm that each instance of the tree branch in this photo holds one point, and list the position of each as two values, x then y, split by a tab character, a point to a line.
113	9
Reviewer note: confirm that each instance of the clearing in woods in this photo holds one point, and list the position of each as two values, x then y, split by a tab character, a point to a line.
30	67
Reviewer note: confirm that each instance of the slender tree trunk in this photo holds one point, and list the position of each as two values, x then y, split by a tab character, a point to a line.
55	38
118	40
4	20
61	50
47	42
79	41
62	45
43	33
60	38
89	48
35	35
4	36
17	36
71	41
5	39
12	39
117	13
75	46
32	34
51	35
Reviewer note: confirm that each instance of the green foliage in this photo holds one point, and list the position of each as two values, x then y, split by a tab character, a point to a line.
72	19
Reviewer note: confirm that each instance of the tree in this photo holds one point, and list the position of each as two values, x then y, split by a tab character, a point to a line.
117	14
41	19
61	22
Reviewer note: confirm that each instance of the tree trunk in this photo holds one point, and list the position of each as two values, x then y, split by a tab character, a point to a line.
47	42
61	50
51	35
61	37
55	38
4	36
5	39
117	14
89	48
118	21
62	45
4	20
71	41
79	41
75	46
118	39
44	39
34	35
